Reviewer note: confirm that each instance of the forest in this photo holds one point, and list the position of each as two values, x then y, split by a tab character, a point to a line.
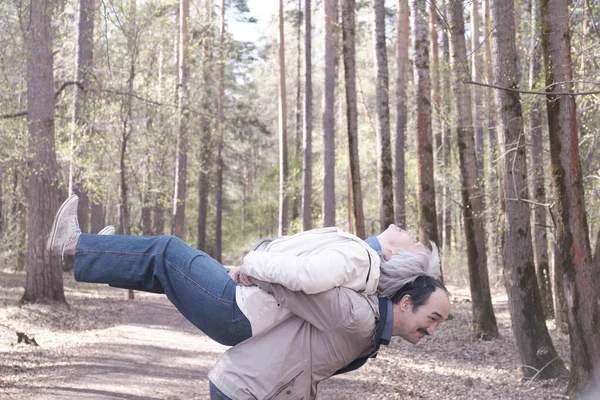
472	123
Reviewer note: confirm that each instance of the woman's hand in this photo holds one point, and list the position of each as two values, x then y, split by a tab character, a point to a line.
240	278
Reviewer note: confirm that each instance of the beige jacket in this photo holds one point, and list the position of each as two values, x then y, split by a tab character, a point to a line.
312	262
326	332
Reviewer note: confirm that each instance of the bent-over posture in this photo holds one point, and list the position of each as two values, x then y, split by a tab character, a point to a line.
315	335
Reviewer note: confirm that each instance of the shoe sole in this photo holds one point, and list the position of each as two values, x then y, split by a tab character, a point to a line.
106	229
59	214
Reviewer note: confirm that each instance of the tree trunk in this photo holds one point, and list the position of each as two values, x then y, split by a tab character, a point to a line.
220	123
44	277
205	128
536	129
98	218
437	131
328	115
573	245
384	148
179	193
349	42
484	320
426	187
538	356
401	110
80	120
476	74
283	148
297	201
493	167
446	228
307	139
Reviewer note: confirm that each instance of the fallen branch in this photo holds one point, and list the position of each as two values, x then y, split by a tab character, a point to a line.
23	338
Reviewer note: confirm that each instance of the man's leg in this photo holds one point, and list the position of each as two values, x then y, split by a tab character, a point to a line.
216	394
196	284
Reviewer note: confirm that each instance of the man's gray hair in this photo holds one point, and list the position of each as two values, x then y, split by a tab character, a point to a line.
406	266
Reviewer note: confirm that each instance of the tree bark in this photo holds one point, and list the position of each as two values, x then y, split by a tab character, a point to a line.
484	320
536	129
476	74
297	201
427	217
205	131
446	228
493	167
220	127
283	147
44	282
307	139
80	120
349	43
328	208
384	148
179	193
437	131
401	111
572	238
538	356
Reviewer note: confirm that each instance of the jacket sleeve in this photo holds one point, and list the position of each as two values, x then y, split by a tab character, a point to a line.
312	273
333	309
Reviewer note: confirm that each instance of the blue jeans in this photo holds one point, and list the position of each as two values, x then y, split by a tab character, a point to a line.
195	283
216	394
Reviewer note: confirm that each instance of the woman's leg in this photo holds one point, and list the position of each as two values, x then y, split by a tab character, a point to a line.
196	284
216	394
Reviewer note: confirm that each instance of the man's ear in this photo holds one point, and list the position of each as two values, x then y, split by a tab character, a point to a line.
406	303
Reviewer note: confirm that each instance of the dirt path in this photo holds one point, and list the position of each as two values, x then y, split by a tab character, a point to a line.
106	347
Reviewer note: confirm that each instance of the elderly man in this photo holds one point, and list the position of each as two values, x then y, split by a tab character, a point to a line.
323	316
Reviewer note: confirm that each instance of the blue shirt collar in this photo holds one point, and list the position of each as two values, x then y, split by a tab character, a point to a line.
389	323
373	243
388	319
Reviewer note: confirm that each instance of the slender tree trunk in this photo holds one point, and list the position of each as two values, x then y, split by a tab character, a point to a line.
426	188
283	147
437	131
328	208
178	221
476	74
385	179
307	139
573	245
220	123
493	167
205	132
538	356
80	120
401	110
297	201
484	320
536	129
349	42
446	227
44	282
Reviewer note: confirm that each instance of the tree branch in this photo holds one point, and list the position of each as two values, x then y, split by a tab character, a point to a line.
544	93
58	92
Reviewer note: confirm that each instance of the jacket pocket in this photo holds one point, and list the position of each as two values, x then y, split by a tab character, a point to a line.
284	386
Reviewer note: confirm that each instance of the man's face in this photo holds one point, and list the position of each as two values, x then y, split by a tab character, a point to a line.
394	239
413	325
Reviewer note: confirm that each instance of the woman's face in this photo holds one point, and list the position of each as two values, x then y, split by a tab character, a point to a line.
394	239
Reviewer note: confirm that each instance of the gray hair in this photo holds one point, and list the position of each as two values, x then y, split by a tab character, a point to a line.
406	266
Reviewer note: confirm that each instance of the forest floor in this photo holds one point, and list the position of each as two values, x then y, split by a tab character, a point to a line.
103	346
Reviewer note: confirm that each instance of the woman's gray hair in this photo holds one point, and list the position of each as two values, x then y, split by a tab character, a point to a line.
406	266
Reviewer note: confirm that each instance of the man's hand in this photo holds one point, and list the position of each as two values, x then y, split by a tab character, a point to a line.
240	278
